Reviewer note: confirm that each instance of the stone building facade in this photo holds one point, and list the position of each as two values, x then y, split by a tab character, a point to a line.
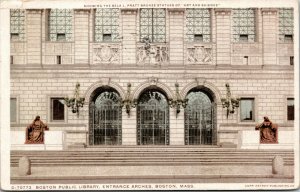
149	59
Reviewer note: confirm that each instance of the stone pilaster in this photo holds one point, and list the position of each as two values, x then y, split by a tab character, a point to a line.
176	36
34	36
269	33
223	36
129	26
81	36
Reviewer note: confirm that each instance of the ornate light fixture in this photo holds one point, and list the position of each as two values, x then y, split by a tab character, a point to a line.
230	102
76	101
178	101
127	102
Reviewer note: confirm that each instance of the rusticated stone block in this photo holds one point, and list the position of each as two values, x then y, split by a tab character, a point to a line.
277	165
24	166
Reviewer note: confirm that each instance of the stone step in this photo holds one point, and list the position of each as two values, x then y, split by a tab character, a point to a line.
196	156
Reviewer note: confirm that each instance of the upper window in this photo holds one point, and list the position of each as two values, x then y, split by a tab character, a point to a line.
13	110
17	24
243	25
153	25
247	109
106	25
198	25
286	25
60	24
57	109
290	109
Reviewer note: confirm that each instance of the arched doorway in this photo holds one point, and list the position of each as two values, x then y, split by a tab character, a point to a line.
105	117
152	118
199	119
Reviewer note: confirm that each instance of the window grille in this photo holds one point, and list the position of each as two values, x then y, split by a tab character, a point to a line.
60	24
153	25
153	119
198	23
17	24
243	25
105	119
107	25
286	25
198	119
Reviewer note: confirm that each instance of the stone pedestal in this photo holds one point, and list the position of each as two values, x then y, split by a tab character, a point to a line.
24	166
278	165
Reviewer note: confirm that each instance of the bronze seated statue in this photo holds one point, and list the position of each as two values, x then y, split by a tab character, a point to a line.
35	132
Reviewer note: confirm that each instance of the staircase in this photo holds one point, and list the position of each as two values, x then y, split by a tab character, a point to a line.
152	162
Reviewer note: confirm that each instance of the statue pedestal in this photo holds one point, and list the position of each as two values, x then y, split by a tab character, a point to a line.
251	140
53	141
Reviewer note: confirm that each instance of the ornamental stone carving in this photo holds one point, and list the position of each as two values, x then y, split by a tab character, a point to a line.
199	54
106	53
155	54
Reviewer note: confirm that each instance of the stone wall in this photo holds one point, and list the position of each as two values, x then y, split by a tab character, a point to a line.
266	75
34	88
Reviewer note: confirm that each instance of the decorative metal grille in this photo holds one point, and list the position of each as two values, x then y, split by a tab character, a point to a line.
17	24
243	25
60	24
153	25
198	25
152	119
105	117
107	25
199	116
286	23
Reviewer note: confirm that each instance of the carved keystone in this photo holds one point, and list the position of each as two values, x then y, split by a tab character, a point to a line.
277	165
24	166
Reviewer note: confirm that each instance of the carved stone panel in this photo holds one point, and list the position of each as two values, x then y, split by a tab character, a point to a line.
153	54
106	53
199	54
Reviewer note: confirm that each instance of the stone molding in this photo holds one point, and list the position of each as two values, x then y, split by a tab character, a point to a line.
102	83
152	83
202	83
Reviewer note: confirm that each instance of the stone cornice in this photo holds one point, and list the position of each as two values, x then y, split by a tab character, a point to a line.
269	11
129	11
82	11
39	11
222	11
176	11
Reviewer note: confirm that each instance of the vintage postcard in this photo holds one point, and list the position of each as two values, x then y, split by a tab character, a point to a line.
149	95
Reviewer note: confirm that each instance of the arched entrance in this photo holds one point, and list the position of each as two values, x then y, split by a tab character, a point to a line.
199	118
152	118
105	117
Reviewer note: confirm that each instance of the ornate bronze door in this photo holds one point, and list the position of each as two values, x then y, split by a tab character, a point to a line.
105	120
152	119
199	116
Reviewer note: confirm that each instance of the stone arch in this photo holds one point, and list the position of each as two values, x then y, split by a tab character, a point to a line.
99	84
205	85
155	85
